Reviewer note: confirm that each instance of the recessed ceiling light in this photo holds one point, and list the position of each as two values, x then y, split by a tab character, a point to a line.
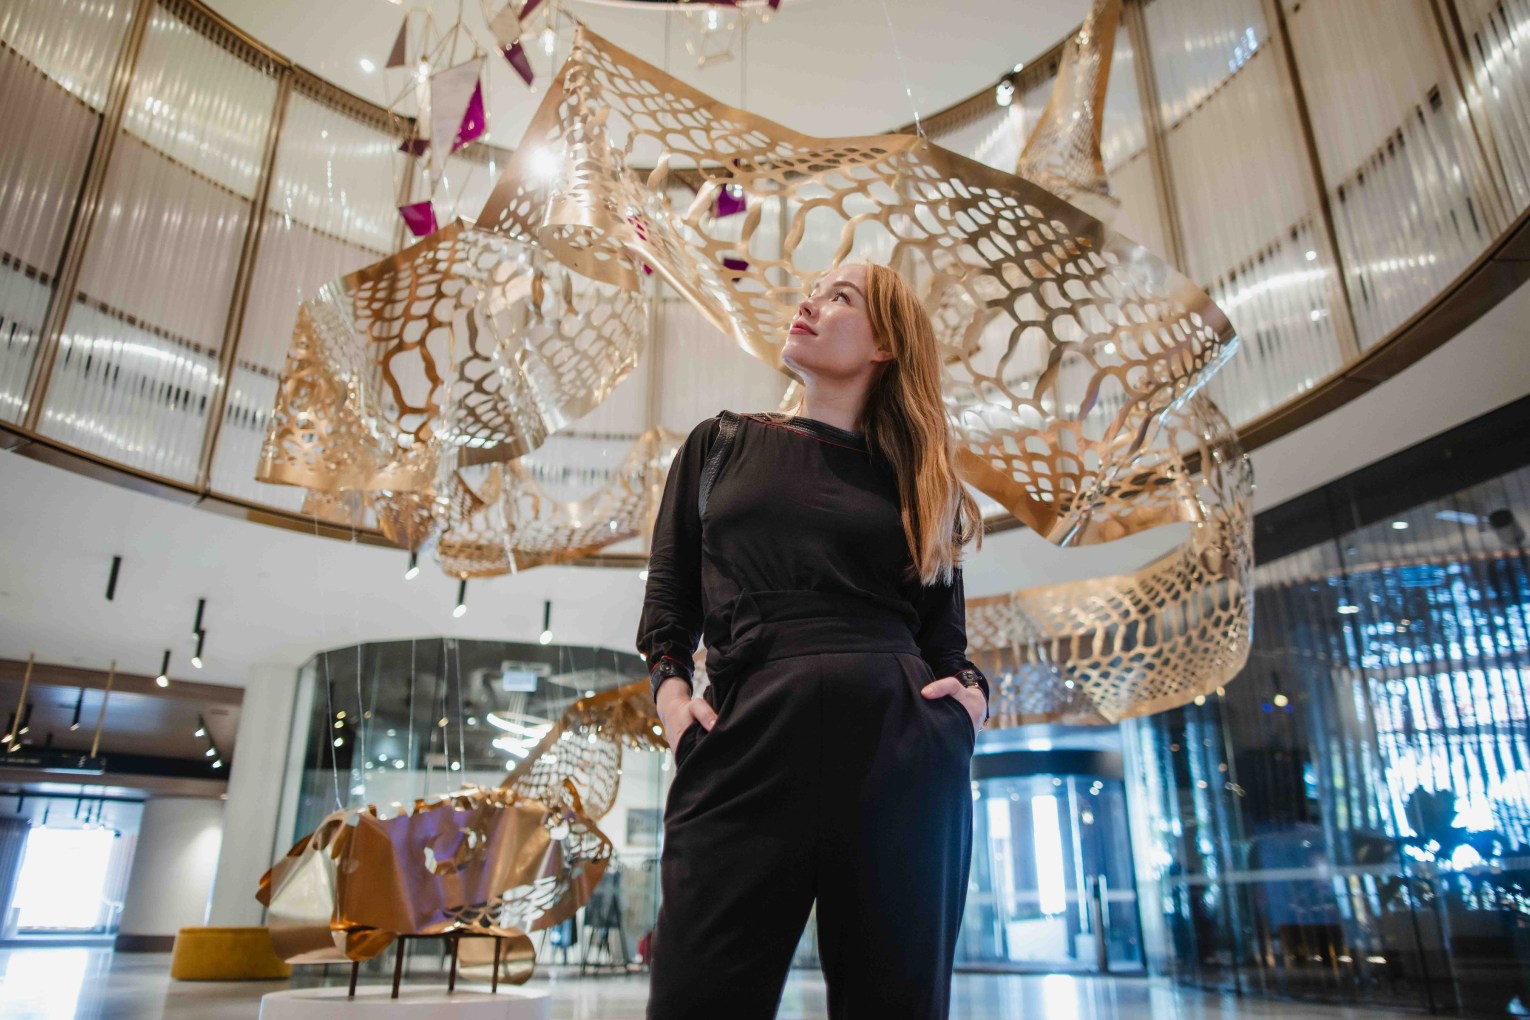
367	65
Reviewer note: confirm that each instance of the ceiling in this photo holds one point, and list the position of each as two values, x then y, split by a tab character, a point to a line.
825	67
136	724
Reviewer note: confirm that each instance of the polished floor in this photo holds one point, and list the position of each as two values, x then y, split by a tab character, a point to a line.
59	984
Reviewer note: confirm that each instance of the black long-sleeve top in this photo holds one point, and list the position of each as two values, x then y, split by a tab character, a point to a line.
794	506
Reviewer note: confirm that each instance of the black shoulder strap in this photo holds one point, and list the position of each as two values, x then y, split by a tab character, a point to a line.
727	426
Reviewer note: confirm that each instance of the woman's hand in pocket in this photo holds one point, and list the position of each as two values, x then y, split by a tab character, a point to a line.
970	698
678	709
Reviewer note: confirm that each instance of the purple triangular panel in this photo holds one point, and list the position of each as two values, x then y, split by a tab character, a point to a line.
727	204
474	123
420	218
397	57
517	58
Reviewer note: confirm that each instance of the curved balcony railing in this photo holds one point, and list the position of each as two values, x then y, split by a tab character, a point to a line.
1347	178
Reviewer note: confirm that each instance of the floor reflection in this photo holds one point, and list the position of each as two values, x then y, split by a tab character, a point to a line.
59	984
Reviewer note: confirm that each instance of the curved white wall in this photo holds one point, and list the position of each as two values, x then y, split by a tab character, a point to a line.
173	866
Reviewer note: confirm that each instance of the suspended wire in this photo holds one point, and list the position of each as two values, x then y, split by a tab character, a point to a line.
409	726
326	731
903	71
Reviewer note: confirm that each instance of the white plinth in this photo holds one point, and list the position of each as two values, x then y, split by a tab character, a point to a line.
414	1002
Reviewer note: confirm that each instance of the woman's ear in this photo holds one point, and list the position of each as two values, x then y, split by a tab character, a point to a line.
882	354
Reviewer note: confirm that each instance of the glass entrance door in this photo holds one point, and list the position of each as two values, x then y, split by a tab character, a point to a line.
1051	885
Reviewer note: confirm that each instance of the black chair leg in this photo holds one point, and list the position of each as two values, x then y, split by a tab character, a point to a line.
398	965
494	983
355	967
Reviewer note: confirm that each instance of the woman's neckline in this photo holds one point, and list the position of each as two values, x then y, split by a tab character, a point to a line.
831	429
819	430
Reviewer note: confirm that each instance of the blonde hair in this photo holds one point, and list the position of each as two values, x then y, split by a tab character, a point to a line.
905	421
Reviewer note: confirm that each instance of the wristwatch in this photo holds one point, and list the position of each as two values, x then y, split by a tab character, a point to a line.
973	678
662	671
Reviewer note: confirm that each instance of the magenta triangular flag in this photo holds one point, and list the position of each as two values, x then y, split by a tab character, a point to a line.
517	58
420	218
729	204
474	123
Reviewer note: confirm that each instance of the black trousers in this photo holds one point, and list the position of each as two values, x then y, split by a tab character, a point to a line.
827	777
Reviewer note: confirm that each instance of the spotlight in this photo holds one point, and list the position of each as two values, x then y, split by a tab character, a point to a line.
209	753
461	598
1004	92
217	763
1506	527
196	658
164	671
196	628
546	638
201	727
79	703
414	567
111	579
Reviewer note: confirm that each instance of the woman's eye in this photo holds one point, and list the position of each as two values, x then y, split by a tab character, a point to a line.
842	294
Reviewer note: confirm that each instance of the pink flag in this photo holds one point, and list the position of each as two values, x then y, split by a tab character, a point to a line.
420	218
474	123
517	58
728	203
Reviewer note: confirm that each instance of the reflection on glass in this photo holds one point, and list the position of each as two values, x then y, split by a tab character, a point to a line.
1350	819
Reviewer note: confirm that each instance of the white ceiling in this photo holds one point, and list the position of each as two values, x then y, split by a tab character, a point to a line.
825	67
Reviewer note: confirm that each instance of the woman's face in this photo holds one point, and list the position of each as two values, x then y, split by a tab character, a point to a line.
830	336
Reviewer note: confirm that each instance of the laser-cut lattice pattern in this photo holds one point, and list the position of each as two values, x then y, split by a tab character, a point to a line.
1062	153
1106	649
585	746
468	347
512	524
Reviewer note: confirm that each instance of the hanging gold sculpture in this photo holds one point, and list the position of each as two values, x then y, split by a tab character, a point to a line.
501	861
1062	152
468	347
1106	649
509	523
1074	356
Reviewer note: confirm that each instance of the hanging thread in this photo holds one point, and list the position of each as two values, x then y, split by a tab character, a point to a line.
903	71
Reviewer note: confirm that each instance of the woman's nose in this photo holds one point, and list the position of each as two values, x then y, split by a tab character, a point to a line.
805	308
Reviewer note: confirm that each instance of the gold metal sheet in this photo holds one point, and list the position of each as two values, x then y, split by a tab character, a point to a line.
1062	152
484	860
514	524
467	347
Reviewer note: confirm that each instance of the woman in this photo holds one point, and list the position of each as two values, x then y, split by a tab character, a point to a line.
829	758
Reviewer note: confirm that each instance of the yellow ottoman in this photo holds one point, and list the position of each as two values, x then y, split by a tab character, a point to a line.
226	954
